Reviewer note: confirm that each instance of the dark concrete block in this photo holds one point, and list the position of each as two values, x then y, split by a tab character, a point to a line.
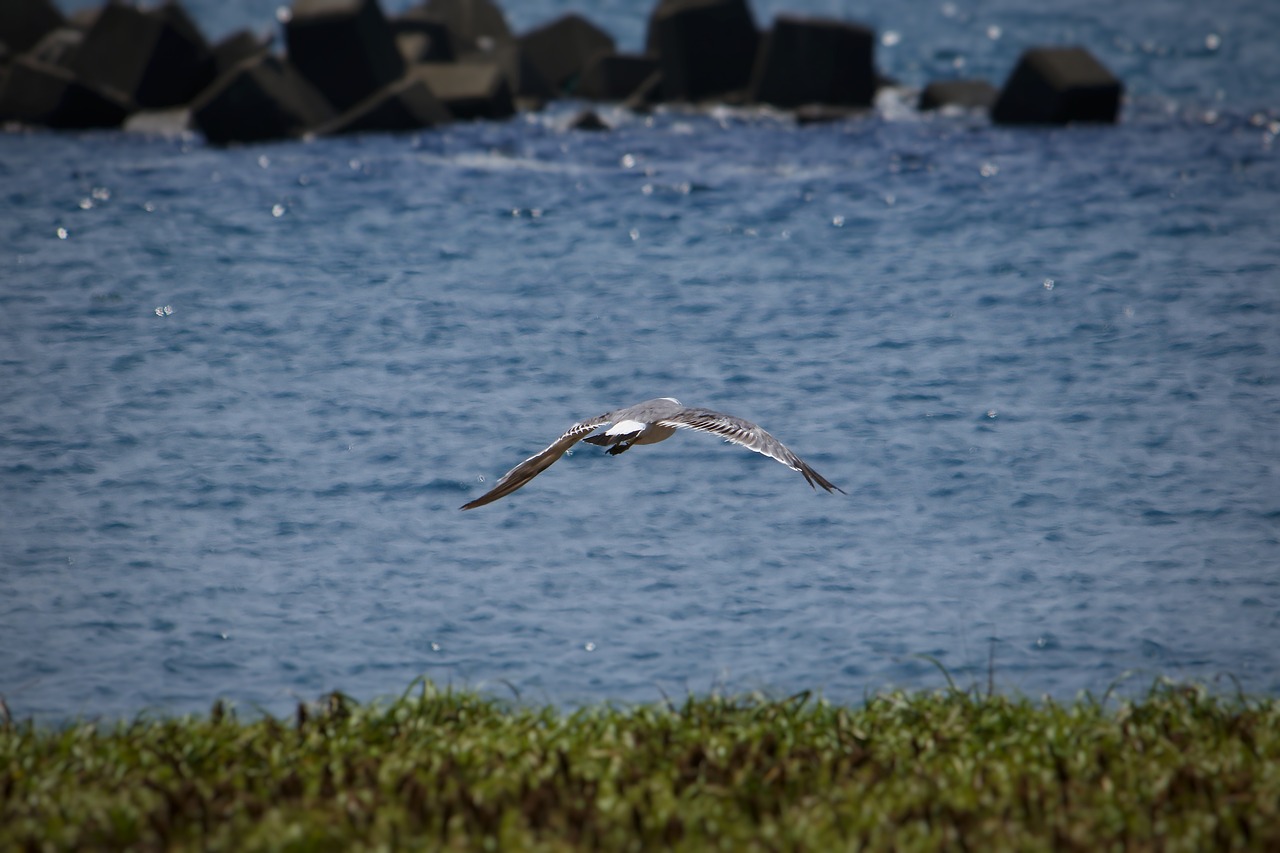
406	104
1057	85
561	49
646	95
705	48
523	78
175	14
470	90
84	18
815	61
36	93
967	94
25	22
418	47
588	120
475	25
236	48
156	58
58	47
262	98
423	40
345	48
614	76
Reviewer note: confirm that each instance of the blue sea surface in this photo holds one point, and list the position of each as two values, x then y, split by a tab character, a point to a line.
244	391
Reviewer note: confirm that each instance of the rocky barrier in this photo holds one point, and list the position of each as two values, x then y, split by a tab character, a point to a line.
344	66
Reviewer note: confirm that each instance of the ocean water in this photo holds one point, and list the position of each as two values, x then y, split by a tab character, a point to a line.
244	391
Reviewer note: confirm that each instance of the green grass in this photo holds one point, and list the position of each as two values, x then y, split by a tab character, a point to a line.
1178	769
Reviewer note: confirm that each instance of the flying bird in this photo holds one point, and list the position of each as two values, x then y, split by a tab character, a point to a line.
648	423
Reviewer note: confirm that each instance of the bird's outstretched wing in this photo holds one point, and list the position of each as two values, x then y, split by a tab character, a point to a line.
539	462
746	434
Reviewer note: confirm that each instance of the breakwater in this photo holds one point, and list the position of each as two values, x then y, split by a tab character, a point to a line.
344	66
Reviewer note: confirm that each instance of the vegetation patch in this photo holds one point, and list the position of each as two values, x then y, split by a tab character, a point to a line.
1180	768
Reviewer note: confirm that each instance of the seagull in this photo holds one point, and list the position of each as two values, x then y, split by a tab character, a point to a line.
648	423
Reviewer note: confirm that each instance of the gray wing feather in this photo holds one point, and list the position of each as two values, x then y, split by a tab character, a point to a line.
746	434
539	462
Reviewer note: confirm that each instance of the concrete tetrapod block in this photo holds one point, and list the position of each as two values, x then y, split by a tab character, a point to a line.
646	95
407	104
705	48
469	90
561	49
1057	85
37	93
172	122
590	121
83	19
156	58
614	76
968	94
345	48
58	47
262	98
423	40
236	48
25	22
815	61
474	24
523	77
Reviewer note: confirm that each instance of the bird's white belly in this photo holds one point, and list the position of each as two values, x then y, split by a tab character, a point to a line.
645	433
653	433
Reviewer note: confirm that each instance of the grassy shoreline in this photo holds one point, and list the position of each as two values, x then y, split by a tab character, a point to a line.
1179	769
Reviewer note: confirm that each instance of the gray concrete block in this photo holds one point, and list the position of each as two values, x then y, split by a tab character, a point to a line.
469	90
475	25
423	39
